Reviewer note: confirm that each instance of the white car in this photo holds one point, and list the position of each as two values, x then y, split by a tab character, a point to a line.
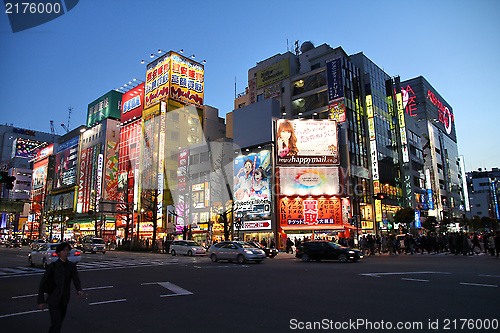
46	254
187	247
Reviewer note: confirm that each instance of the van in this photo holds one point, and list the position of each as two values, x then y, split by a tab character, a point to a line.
94	245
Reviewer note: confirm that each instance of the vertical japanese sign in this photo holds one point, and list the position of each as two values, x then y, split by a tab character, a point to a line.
402	128
161	164
100	160
111	175
334	79
373	144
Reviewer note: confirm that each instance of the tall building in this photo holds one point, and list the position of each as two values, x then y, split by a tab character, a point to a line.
484	191
431	121
319	83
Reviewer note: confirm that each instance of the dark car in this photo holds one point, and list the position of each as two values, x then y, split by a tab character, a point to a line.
13	243
271	253
323	250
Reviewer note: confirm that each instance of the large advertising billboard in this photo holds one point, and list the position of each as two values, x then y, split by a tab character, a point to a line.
66	163
26	148
274	73
307	142
40	171
252	191
87	181
111	171
310	181
107	106
133	103
173	76
311	213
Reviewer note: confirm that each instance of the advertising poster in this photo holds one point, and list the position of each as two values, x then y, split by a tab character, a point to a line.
157	80
307	142
40	174
334	78
111	176
337	110
87	182
66	163
310	181
310	213
252	192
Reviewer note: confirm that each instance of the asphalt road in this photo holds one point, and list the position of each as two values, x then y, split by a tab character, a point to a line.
143	292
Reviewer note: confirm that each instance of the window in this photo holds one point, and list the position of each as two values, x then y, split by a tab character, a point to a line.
204	157
260	97
309	83
310	102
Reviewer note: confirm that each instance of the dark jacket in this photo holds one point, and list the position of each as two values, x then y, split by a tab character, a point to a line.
62	273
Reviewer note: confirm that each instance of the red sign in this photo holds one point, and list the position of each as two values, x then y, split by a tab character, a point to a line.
256	225
133	103
310	213
445	115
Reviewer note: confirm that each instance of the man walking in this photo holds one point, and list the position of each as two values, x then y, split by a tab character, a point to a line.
56	282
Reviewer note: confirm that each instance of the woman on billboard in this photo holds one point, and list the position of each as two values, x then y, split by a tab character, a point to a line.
287	141
243	179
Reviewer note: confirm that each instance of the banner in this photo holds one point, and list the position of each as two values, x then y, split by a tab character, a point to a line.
66	163
334	79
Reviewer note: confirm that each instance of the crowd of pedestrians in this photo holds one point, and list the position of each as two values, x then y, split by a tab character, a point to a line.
454	243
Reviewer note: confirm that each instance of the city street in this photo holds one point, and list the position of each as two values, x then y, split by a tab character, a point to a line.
144	292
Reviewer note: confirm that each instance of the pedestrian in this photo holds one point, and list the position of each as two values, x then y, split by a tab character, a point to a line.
272	245
56	282
475	242
497	243
289	244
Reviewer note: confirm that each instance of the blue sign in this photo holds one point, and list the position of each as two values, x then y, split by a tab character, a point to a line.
430	199
334	77
418	223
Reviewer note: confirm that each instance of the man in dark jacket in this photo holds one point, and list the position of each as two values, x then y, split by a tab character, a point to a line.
57	279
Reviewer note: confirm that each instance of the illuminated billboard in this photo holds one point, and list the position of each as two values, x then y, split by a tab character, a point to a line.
87	181
309	181
307	142
311	213
40	172
173	76
133	103
274	73
66	163
252	190
26	148
107	106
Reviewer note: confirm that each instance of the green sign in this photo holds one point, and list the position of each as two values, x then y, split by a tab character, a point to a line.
106	106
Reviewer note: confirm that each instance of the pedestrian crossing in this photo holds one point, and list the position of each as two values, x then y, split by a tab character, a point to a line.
114	263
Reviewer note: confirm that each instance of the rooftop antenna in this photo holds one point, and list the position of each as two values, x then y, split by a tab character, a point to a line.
52	128
235	87
69	116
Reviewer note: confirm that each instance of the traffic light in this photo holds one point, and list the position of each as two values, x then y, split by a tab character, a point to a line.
7	180
379	196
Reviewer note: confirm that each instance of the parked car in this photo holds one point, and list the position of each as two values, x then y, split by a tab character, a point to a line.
271	253
46	254
36	243
187	247
237	250
94	245
323	250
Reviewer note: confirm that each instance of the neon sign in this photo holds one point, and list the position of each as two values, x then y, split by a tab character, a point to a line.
445	115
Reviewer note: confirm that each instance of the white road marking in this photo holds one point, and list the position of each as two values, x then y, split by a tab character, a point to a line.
418	280
107	302
24	296
22	313
478	284
402	273
220	266
177	291
498	276
94	288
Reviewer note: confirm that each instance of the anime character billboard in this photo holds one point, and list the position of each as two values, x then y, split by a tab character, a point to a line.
252	192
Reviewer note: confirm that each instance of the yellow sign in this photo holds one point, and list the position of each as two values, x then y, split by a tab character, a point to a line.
273	73
378	210
366	224
173	76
